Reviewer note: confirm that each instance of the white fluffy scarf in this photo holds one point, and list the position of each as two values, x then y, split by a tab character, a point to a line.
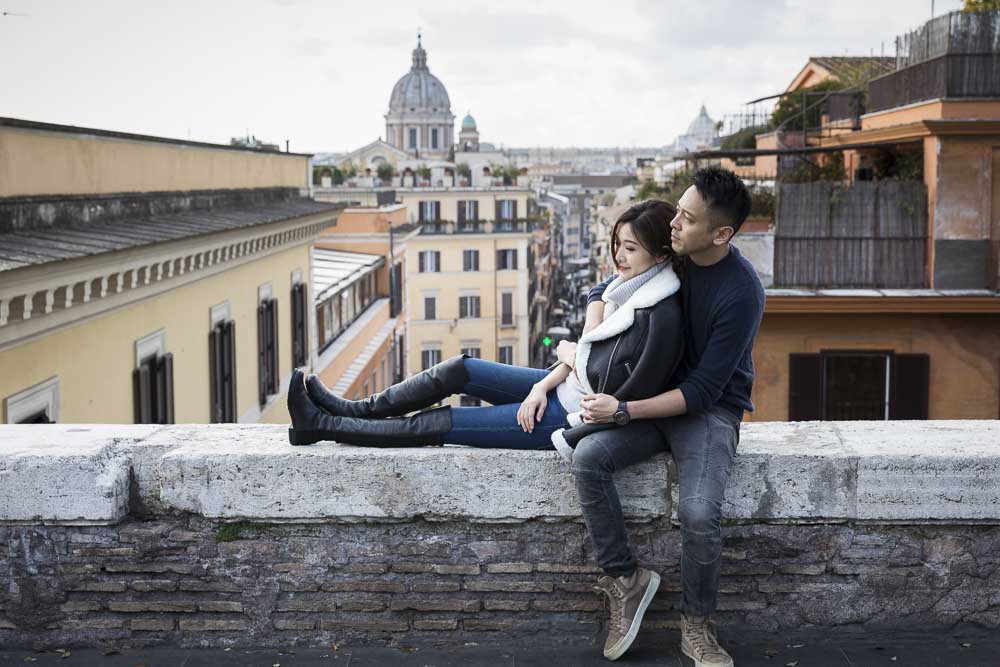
617	320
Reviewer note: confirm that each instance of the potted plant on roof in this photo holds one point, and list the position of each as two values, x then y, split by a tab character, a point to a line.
464	174
424	173
385	172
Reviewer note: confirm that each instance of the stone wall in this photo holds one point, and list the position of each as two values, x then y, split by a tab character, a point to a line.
225	535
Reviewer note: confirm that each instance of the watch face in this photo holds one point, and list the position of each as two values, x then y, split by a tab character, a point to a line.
621	418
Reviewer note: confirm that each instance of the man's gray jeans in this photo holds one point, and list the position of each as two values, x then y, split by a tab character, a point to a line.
703	447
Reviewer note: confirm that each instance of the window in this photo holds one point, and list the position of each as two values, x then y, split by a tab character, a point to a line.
413	137
858	385
430	308
473	352
429	261
364	389
373	384
300	339
38	404
429	211
506	354
267	349
470	260
434	137
469	401
507	309
468	306
429	358
153	381
506	209
468	210
222	365
507	258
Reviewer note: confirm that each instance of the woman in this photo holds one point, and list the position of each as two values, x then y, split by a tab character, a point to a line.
630	355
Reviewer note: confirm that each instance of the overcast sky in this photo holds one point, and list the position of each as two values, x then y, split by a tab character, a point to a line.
319	73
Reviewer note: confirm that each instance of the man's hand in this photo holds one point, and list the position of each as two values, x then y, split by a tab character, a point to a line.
566	351
598	408
532	409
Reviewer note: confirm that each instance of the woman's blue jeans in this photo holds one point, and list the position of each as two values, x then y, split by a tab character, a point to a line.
496	426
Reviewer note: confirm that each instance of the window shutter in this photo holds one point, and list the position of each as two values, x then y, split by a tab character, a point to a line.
437	210
272	359
513	209
474	205
437	260
513	258
215	352
475	260
461	211
496	209
475	306
229	371
422	261
262	353
805	387
300	341
165	388
142	394
910	386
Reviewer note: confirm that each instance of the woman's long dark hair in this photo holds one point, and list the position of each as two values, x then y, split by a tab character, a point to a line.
650	221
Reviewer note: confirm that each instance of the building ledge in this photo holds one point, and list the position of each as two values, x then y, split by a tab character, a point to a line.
817	472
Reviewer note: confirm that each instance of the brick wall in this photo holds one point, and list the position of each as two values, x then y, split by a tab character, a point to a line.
172	581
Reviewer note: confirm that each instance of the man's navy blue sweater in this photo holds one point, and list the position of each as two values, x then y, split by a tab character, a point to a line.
722	308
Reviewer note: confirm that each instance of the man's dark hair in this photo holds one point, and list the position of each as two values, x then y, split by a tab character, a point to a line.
727	197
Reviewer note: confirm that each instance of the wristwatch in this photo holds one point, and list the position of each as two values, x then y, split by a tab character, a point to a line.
622	416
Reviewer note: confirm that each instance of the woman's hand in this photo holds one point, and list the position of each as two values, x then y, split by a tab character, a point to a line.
532	409
566	351
598	408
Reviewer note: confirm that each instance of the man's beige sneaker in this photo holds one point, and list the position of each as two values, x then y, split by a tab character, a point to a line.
698	642
629	598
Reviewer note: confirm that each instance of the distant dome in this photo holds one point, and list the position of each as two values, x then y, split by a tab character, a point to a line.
419	89
702	126
468	123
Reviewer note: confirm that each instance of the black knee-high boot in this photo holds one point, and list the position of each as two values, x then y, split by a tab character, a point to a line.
310	424
419	391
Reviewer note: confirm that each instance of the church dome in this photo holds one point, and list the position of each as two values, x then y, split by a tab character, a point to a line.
419	89
702	126
468	123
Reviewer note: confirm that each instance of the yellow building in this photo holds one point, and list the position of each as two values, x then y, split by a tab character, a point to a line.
360	314
471	275
145	279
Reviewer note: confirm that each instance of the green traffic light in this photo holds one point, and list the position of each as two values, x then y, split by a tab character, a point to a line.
546	341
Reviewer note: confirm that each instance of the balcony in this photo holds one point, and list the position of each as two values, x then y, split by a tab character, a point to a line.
952	56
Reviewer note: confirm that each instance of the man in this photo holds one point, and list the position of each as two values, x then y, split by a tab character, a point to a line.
723	301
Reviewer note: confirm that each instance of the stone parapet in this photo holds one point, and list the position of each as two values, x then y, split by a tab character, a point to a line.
224	535
809	471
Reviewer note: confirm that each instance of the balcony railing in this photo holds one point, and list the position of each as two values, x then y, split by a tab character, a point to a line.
867	235
520	225
954	55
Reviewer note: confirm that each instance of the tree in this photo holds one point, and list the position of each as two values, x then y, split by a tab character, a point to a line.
980	5
385	172
789	107
424	172
464	171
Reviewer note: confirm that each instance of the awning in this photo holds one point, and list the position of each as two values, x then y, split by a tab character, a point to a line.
334	270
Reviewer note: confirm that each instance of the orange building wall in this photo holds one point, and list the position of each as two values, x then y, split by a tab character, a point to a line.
964	355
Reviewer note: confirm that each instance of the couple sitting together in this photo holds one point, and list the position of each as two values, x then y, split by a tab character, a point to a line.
664	363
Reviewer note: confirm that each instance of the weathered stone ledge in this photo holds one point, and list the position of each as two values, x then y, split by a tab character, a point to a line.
812	472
